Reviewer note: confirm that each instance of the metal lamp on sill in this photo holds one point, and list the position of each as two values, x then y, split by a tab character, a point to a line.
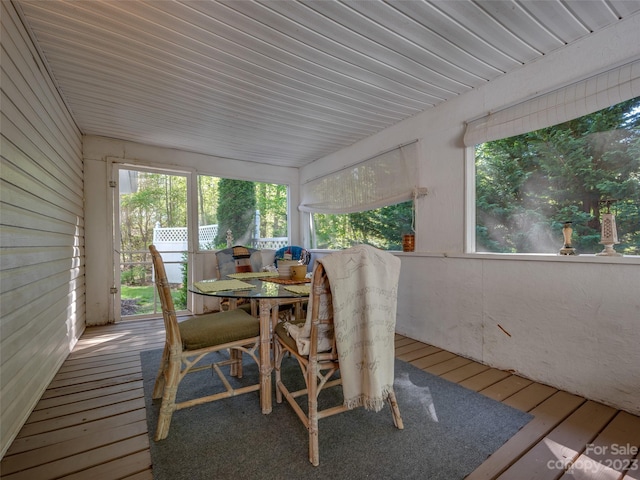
609	234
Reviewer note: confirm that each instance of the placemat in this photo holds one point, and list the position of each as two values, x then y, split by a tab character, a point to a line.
299	289
252	275
286	281
222	286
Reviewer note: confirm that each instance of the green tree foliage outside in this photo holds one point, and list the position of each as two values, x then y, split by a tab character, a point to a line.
161	199
236	211
271	202
529	185
382	228
243	198
207	200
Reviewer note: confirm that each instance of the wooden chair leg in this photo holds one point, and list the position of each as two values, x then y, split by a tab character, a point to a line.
314	449
158	387
239	362
395	411
312	398
168	405
236	366
277	364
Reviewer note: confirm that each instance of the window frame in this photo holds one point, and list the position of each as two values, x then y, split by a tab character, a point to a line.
312	234
470	229
196	203
574	100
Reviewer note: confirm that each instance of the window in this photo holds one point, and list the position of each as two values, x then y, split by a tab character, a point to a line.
529	185
383	228
368	202
254	213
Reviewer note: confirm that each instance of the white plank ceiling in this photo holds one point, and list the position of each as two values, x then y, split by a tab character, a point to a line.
286	82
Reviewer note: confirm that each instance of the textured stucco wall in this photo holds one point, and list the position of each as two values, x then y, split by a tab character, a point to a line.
570	324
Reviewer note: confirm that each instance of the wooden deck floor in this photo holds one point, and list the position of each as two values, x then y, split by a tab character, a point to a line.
90	422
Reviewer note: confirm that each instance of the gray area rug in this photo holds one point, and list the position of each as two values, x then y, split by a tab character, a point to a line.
449	431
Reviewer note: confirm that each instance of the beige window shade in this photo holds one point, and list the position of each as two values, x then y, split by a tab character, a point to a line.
385	179
564	104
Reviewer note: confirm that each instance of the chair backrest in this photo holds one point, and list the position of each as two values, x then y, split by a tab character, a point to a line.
297	253
166	301
322	342
237	259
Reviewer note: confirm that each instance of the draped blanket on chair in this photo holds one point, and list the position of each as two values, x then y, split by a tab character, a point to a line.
364	289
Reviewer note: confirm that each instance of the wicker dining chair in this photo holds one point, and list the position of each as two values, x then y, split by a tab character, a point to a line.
237	259
297	253
241	259
190	340
319	367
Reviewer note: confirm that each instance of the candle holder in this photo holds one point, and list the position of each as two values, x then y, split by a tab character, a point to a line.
408	242
609	235
566	233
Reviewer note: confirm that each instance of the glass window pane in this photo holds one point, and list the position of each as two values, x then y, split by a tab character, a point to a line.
528	186
153	209
383	228
245	213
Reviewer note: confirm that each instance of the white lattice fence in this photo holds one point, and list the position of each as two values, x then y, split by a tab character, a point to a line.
271	243
207	234
169	235
173	241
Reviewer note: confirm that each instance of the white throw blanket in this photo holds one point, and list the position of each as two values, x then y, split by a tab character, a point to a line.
364	288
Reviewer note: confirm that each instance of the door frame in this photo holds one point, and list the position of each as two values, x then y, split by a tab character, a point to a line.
114	166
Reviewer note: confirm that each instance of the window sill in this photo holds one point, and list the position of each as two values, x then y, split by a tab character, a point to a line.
537	257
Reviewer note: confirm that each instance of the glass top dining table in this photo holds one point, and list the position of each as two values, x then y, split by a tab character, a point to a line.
266	297
260	289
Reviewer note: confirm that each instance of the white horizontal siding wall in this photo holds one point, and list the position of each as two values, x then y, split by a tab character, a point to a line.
42	292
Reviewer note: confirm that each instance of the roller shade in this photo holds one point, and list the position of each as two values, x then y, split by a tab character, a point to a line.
385	179
564	104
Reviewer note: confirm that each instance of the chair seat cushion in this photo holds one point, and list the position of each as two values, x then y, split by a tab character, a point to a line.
217	328
282	333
